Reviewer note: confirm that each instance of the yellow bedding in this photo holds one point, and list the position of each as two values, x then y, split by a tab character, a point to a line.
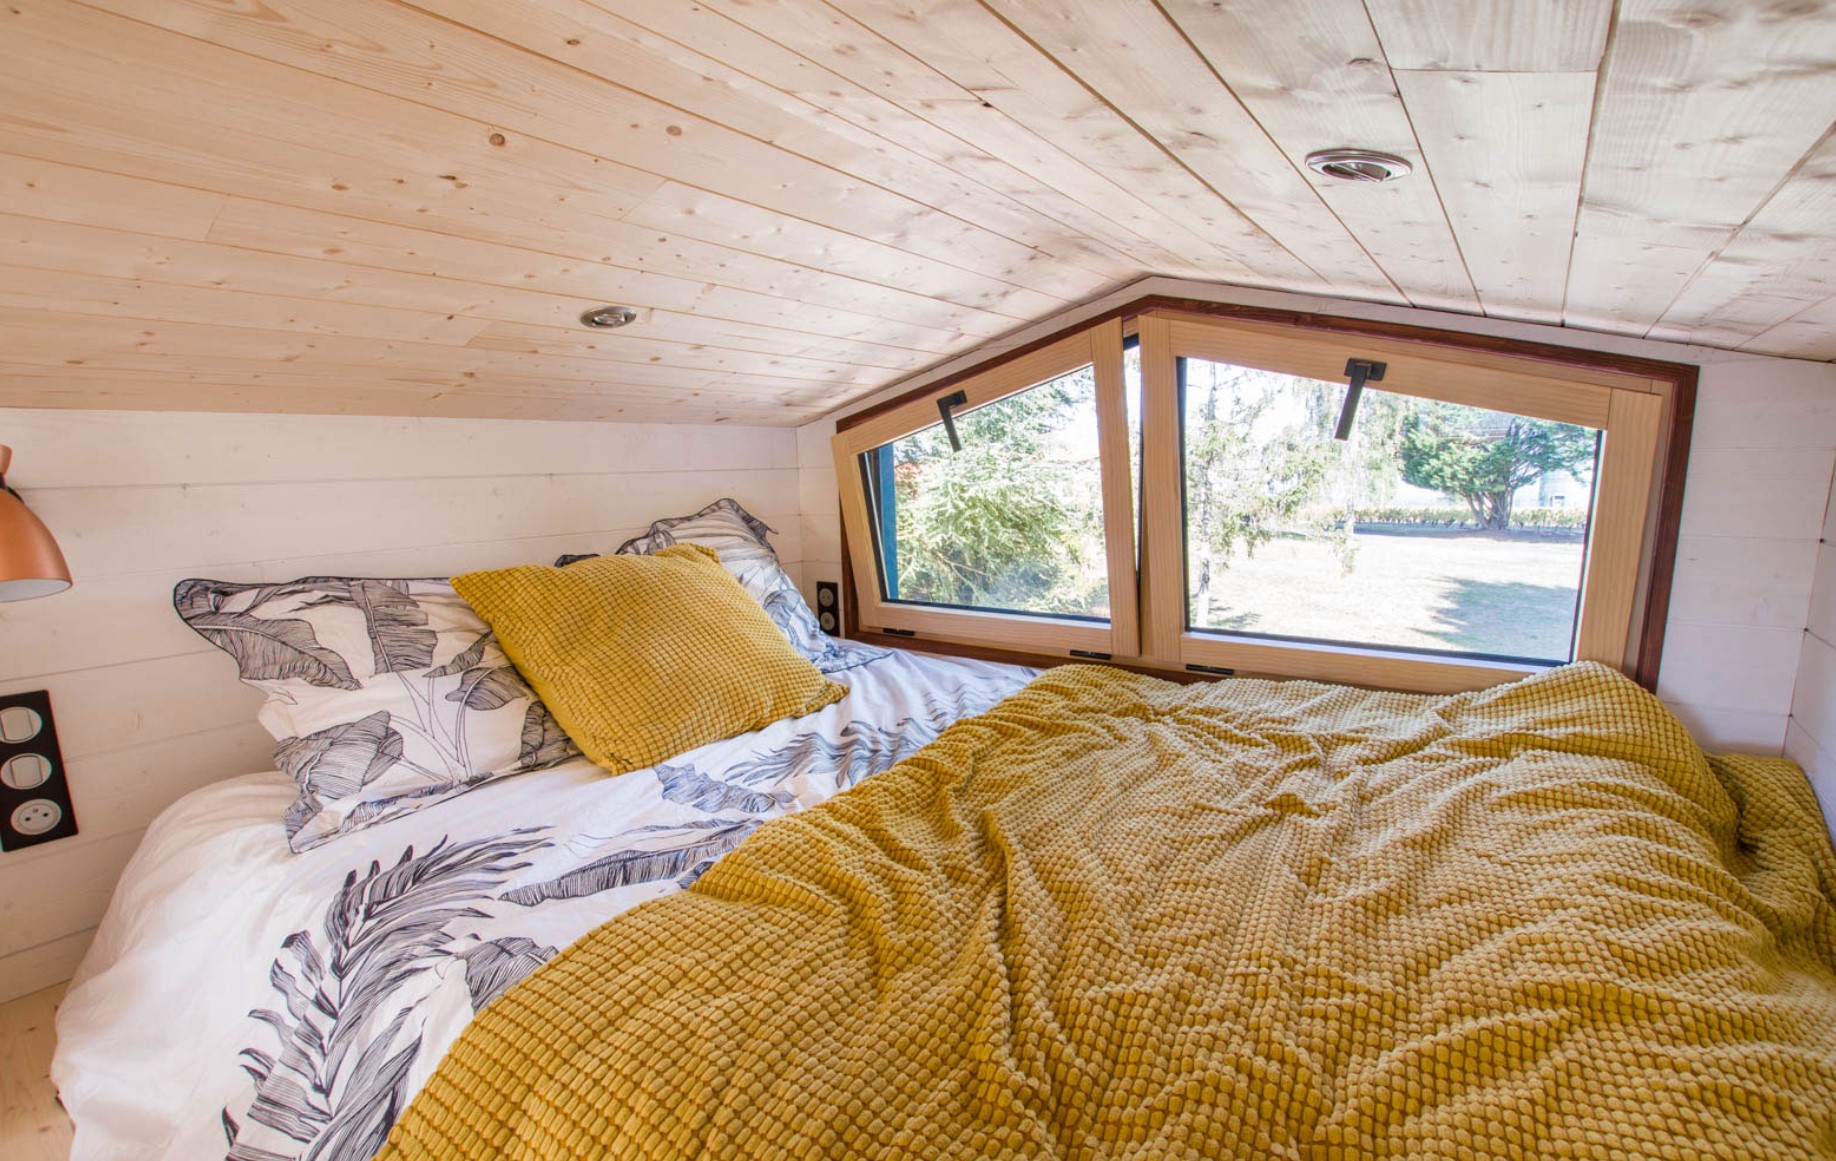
1116	917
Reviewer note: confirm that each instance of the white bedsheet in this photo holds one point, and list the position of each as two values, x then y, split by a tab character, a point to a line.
243	1001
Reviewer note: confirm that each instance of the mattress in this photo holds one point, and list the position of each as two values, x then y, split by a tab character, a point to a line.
243	1001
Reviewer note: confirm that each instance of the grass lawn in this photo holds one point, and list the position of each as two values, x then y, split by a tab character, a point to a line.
1469	591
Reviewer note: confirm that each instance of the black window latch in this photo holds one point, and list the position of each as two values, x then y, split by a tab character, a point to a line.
954	399
1362	371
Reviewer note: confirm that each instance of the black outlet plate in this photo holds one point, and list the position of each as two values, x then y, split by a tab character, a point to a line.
54	790
828	607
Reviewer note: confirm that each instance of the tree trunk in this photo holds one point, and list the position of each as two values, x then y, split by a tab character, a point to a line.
1201	593
1499	514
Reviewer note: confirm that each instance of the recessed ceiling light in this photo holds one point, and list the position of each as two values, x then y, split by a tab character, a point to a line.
607	317
1358	165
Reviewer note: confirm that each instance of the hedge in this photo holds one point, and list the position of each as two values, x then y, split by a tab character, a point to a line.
1460	518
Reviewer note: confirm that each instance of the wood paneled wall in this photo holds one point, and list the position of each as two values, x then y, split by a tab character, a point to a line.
148	711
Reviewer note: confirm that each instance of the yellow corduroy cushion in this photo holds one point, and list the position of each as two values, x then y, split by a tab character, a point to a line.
641	658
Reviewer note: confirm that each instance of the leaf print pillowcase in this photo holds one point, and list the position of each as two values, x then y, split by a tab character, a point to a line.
384	696
738	538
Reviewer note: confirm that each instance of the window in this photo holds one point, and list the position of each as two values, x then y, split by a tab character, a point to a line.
1008	518
1186	503
1429	529
1020	529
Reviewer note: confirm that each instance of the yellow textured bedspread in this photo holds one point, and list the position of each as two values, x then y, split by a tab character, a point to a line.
1116	917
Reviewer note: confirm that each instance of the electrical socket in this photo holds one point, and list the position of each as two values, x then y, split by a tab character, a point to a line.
37	816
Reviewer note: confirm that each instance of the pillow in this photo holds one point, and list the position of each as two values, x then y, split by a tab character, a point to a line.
739	538
384	696
642	658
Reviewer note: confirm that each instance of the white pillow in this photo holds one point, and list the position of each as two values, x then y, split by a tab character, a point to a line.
384	696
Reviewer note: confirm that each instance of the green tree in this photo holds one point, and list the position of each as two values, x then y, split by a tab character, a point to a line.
1484	457
1007	521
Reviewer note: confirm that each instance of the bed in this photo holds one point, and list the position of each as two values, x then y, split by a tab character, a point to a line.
241	1000
915	906
1090	914
1118	917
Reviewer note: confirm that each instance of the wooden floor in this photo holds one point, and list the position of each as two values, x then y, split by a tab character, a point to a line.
33	1126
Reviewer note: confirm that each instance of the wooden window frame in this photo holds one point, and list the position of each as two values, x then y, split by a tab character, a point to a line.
1626	409
1645	407
1098	346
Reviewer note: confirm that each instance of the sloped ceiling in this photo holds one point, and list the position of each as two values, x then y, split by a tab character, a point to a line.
402	206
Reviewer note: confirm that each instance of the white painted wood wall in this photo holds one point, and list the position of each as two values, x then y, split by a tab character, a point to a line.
148	711
1810	740
1760	471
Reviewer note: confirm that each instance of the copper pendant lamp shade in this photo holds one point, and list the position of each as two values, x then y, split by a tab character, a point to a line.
31	565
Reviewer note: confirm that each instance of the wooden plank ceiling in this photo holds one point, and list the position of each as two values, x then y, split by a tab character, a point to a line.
402	206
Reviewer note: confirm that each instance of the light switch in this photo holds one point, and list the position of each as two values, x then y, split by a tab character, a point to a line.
26	771
19	723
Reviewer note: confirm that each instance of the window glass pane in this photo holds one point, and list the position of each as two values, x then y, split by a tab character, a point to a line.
1013	521
1436	527
1131	397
